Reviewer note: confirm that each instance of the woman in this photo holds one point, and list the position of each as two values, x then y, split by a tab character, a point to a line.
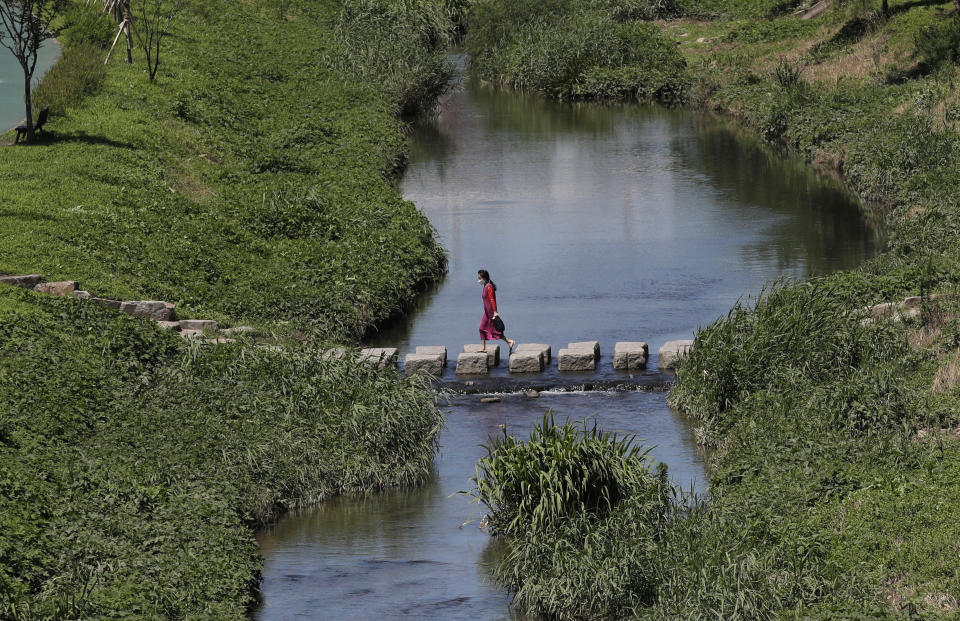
488	332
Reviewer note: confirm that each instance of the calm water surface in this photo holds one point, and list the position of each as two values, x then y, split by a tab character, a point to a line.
600	223
11	82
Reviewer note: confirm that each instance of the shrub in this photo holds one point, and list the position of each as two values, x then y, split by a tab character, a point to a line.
78	74
88	26
939	43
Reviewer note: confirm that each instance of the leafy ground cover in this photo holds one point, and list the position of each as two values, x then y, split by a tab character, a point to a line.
254	182
835	441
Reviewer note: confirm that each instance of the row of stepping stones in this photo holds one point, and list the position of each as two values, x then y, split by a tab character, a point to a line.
164	313
526	357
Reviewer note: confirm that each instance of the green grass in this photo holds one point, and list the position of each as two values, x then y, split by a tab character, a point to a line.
252	182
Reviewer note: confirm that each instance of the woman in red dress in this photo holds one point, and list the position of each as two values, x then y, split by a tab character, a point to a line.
488	332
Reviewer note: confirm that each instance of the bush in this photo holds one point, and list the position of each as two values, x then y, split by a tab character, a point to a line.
939	43
88	26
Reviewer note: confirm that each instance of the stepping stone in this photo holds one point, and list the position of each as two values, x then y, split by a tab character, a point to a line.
539	347
526	362
383	356
431	364
628	355
192	335
156	310
114	304
199	324
169	325
490	400
473	363
493	352
82	295
581	359
27	282
670	353
434	351
532	394
591	345
61	288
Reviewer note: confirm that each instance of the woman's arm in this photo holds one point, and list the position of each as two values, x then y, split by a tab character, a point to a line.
491	297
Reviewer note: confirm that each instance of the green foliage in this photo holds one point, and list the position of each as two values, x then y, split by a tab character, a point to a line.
79	73
87	26
133	465
568	51
939	43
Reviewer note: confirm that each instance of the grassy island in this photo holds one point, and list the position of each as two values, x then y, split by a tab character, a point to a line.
252	182
835	450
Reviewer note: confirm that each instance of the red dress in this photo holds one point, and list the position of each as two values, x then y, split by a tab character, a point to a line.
487	331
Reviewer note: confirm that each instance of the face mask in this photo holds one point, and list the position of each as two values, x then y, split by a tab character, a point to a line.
479	281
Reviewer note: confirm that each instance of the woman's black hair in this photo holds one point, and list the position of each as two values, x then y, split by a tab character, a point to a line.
484	274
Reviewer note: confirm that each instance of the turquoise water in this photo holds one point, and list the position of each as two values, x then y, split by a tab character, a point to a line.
12	111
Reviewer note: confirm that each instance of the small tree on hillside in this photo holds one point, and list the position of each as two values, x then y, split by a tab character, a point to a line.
155	19
24	26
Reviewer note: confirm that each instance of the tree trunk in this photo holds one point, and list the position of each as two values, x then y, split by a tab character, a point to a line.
129	45
885	8
29	103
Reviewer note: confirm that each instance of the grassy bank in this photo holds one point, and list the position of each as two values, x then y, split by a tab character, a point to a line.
836	450
253	182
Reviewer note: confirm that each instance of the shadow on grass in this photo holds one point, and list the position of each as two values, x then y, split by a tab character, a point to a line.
47	138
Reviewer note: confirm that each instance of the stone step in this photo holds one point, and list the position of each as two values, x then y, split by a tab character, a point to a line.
629	355
431	364
383	356
671	352
62	288
434	350
151	309
28	281
199	324
493	352
473	363
526	361
576	359
593	346
542	348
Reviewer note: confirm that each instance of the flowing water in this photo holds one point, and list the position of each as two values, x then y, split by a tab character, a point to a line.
596	223
11	82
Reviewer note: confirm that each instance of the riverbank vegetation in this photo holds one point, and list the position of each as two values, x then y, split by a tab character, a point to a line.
834	433
253	181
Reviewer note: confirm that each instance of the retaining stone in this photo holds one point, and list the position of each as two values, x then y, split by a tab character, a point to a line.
591	345
383	356
199	324
539	347
169	325
526	362
629	355
434	351
423	363
236	330
222	340
156	310
28	281
493	352
670	353
82	295
336	352
60	288
576	359
192	334
473	363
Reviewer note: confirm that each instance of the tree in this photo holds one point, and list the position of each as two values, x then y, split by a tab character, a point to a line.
26	24
155	19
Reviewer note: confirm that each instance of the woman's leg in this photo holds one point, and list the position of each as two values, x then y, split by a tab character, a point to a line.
510	343
483	344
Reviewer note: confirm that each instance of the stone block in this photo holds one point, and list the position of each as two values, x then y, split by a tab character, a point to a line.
628	355
114	304
526	362
220	340
493	352
61	288
576	359
169	325
199	324
434	351
594	346
27	282
192	334
473	363
670	353
156	310
335	353
82	295
383	356
431	364
539	347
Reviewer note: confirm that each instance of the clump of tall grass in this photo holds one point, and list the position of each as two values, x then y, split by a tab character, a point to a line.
570	51
792	335
401	45
78	74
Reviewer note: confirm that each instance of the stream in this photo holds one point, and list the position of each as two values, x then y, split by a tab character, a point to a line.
608	223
